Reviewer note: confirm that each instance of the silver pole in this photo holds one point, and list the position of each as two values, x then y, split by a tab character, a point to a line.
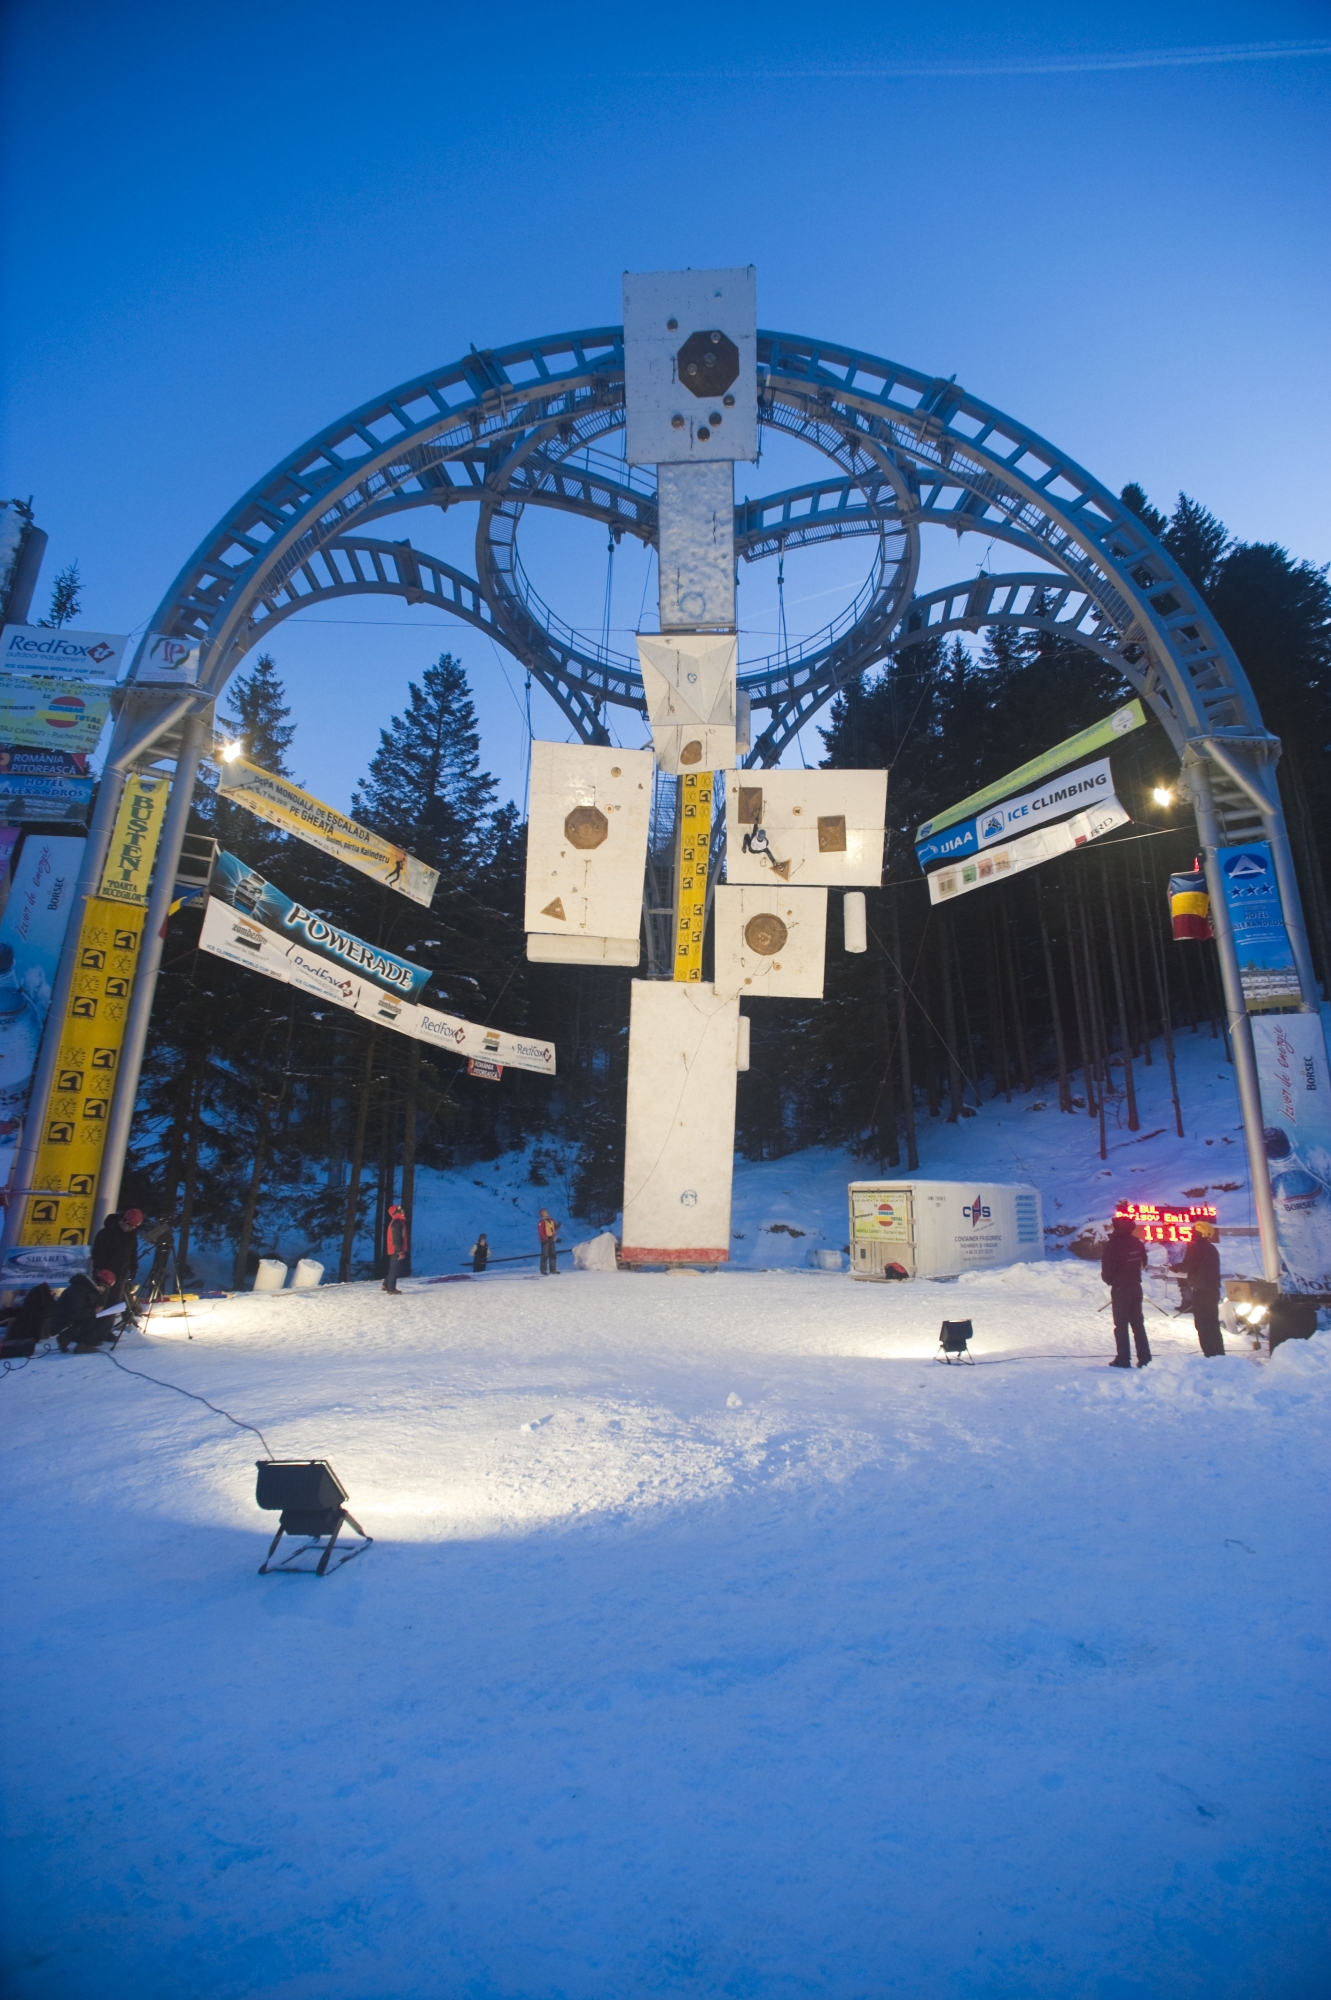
1240	1027
145	979
135	736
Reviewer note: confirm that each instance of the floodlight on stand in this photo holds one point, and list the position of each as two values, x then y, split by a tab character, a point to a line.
309	1497
1163	796
954	1339
230	752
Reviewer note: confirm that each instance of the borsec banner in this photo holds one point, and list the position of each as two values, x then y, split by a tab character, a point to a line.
240	886
1257	918
1296	1117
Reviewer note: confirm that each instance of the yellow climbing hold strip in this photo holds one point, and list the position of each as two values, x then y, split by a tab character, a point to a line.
695	841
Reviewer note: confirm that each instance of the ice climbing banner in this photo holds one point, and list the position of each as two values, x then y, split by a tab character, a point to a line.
997	864
1100	736
234	883
284	805
1088	785
1296	1117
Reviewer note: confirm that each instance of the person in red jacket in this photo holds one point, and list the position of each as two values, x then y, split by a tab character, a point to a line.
1121	1269
547	1232
397	1244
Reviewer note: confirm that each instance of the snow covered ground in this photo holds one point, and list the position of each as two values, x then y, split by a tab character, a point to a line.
715	1641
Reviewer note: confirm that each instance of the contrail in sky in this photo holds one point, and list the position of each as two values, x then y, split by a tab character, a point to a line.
1081	65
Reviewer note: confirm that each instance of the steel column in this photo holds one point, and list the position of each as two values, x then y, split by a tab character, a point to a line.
138	737
145	979
1240	1027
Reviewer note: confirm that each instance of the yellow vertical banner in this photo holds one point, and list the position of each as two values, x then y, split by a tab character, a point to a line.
92	1033
695	845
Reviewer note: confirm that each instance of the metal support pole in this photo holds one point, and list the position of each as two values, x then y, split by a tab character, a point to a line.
132	737
126	1091
1266	798
1240	1027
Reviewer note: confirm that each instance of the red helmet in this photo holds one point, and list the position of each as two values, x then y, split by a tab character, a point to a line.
133	1216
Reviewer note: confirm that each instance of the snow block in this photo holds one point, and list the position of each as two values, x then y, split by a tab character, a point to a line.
598	1255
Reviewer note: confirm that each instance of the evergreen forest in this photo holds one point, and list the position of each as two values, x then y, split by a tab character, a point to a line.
264	1118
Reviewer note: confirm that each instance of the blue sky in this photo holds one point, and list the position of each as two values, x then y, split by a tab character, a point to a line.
226	229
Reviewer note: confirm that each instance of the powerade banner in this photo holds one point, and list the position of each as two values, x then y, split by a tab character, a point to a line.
997	864
51	714
1074	791
82	656
1296	1115
238	885
1261	942
231	934
1100	736
284	805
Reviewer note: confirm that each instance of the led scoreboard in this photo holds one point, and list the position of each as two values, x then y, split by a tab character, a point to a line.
1163	1222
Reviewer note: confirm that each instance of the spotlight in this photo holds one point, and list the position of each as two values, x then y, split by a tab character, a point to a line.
230	752
953	1338
309	1495
1163	796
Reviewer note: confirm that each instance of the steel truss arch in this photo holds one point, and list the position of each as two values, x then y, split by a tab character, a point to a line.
522	425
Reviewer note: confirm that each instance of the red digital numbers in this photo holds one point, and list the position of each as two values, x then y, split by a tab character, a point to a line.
1166	1222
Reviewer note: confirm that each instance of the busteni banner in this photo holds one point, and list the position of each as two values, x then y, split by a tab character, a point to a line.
81	656
234	883
997	864
168	662
50	714
129	859
1075	790
231	934
1257	919
1100	736
1296	1116
284	805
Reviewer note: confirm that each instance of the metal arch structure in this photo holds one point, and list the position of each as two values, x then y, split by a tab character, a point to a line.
525	426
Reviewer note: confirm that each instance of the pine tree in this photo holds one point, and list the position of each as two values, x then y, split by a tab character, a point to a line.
66	598
425	788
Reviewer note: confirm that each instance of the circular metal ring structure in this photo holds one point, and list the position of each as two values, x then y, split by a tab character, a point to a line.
527	426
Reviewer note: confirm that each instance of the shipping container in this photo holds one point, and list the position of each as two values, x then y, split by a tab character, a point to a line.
938	1229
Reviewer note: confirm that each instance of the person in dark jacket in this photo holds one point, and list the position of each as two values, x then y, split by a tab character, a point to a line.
1121	1268
115	1254
480	1252
1201	1268
397	1244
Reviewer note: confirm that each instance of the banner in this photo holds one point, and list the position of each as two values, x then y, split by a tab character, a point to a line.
45	784
1257	918
168	662
92	1034
234	883
52	714
284	805
129	859
1190	907
32	932
1100	736
1067	794
231	934
1296	1115
997	864
82	656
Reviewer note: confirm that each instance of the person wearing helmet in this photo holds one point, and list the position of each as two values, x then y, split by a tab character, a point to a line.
1121	1268
1200	1266
397	1245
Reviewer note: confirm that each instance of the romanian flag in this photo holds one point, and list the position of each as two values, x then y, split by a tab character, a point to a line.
1190	906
